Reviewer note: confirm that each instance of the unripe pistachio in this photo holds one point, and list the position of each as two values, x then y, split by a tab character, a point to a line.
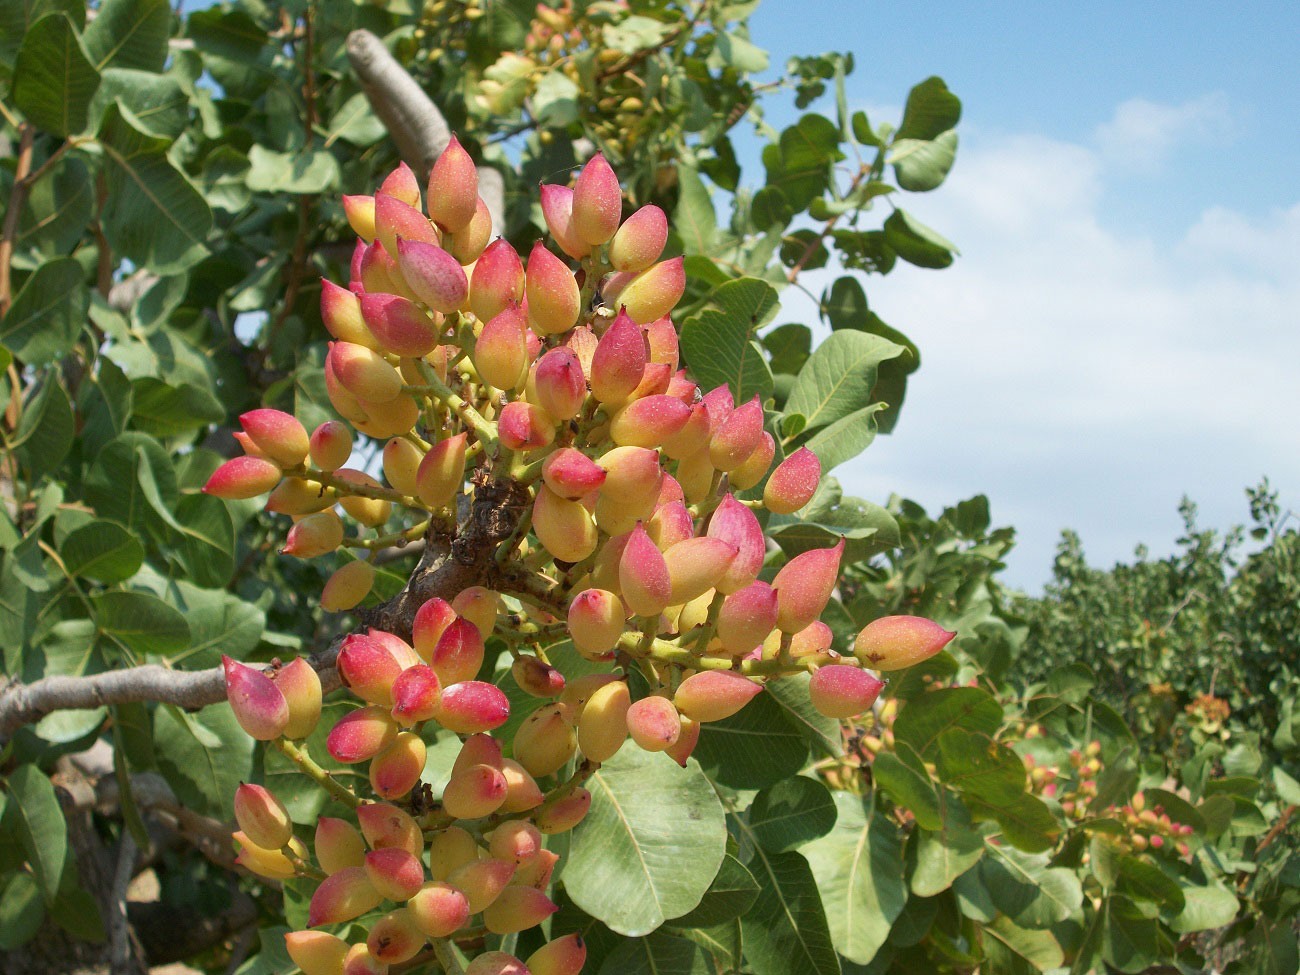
841	691
402	651
364	373
649	421
360	211
564	527
604	571
719	404
458	655
633	476
563	956
478	750
571	474
298	496
737	436
401	462
696	565
330	445
747	617
557	210
582	341
553	297
545	741
643	575
733	522
360	961
752	469
522	792
712	695
516	909
803	586
680	750
579	691
272	864
395	771
431	619
816	637
338	845
242	477
472	706
654	381
597	201
259	707
279	436
246	444
695	613
682	388
379	274
395	938
482	881
360	735
596	619
474	792
348	406
439	909
793	483
300	684
262	817
692	437
496	963
537	871
402	184
343	895
640	241
468	243
536	678
395	220
602	728
368	669
695	473
442	471
654	723
671	524
358	254
452	196
560	383
654	292
394	872
385	825
523	426
618	361
400	325
392	419
371	512
670	491
516	840
896	642
661	337
434	275
564	813
497	281
500	351
450	850
480	606
316	952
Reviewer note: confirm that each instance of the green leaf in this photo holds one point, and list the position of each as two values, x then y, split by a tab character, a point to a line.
102	550
624	867
114	485
659	954
54	80
930	111
1145	881
740	54
40	826
354	121
47	427
786	932
791	694
916	243
21	911
694	219
157	102
791	813
923	164
730	895
902	776
1272	947
635	33
77	912
309	171
163	410
1029	891
718	344
154	216
845	438
754	748
859	870
867	528
142	621
1131	942
1287	787
58	208
788	346
800	163
945	854
923	720
129	34
220	623
845	304
48	313
1037	949
555	100
862	130
272	956
837	379
205	543
203	756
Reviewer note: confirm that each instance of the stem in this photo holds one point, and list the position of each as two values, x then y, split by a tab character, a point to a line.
701	641
447	956
483	429
317	774
17	197
384	541
663	651
813	244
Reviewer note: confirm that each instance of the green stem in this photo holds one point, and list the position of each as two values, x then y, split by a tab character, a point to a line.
701	642
314	772
384	541
447	956
484	430
666	652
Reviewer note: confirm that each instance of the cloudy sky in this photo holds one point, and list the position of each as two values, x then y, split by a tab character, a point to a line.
1123	326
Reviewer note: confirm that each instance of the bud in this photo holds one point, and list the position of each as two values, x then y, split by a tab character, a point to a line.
564	813
602	728
439	909
737	436
338	845
681	749
695	566
496	282
259	707
346	403
682	388
654	292
553	297
733	522
343	895
814	638
643	575
841	691
364	373
472	706
431	619
752	469
360	735
649	421
537	871
516	840
482	881
670	491
368	669
560	383
571	474
396	873
330	445
402	185
661	336
619	361
712	695
516	909
478	750
474	792
468	243
696	476
262	817
523	426
522	792
360	211
536	678
692	437
442	472
545	741
654	723
671	524
434	275
747	617
242	477
640	241
500	352
597	202
452	196
450	850
379	273
246	444
596	618
395	220
582	342
496	963
654	381
458	655
395	771
401	461
896	642
385	825
564	527
395	938
793	483
803	586
563	956
316	952
400	325
271	864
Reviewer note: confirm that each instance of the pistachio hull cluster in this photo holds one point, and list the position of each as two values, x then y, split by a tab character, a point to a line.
640	543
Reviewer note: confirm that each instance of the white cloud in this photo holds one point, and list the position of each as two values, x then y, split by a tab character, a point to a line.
1084	375
1142	133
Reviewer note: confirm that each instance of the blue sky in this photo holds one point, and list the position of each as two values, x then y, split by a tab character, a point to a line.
1123	326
